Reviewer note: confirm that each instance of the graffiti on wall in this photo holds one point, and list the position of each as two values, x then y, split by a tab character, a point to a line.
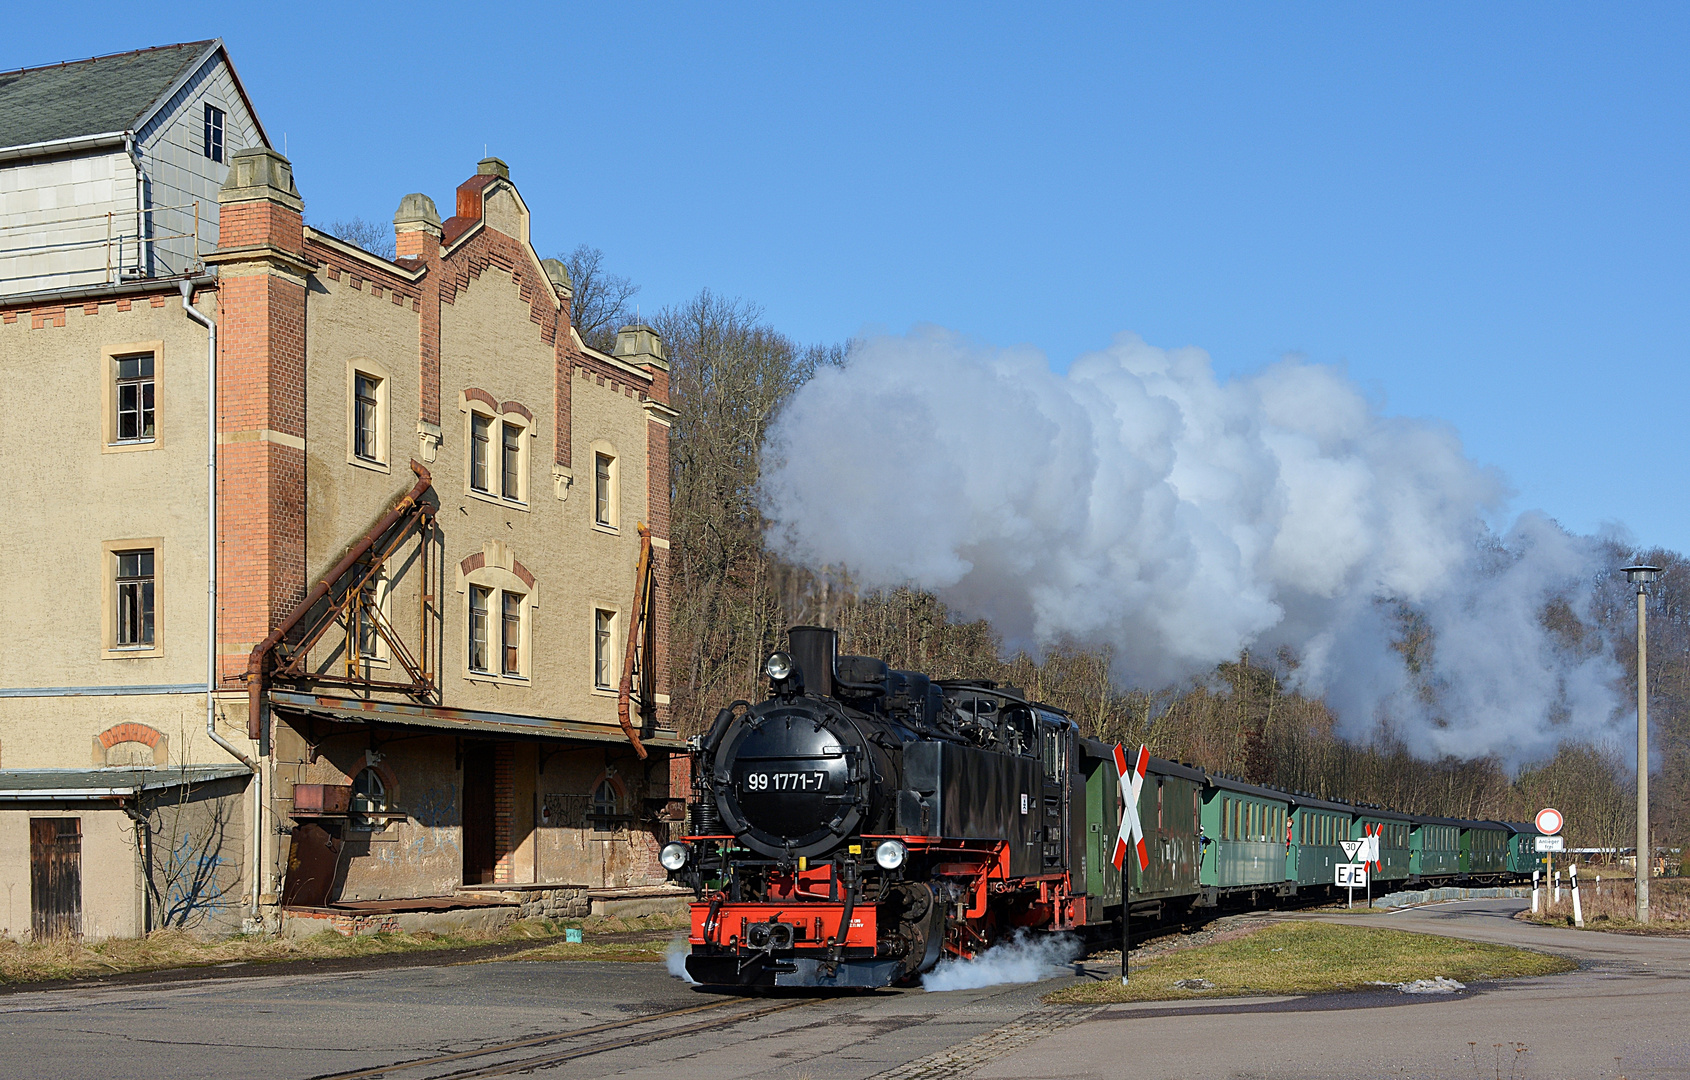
191	880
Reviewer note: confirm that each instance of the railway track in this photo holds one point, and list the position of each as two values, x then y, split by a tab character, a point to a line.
464	1064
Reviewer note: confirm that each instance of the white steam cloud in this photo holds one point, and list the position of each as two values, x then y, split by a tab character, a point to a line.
1141	502
1024	958
675	959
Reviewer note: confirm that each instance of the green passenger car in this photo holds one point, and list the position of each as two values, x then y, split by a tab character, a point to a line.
1522	847
1316	828
1168	808
1393	830
1437	847
1246	829
1485	849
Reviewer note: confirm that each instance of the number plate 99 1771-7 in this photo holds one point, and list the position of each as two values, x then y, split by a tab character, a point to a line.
785	781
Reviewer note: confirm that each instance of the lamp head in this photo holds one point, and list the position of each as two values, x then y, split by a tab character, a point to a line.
1642	573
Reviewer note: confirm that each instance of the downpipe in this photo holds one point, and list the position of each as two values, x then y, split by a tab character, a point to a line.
210	325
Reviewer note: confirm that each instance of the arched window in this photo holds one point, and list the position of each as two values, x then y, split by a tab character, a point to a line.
606	806
369	797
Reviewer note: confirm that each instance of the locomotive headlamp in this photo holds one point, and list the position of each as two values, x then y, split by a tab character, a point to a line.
674	856
779	666
890	854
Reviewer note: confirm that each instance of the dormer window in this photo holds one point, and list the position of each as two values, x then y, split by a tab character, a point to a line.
213	132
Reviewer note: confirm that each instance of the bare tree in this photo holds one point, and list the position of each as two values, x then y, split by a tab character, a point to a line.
600	307
729	374
372	236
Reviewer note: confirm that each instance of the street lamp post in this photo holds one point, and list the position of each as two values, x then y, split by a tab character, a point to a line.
1641	575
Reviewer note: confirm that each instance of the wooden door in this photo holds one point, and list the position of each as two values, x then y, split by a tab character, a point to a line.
478	813
55	878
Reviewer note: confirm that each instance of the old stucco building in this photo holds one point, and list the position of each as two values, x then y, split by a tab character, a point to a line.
436	677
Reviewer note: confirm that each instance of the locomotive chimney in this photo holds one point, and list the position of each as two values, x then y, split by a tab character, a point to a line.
813	650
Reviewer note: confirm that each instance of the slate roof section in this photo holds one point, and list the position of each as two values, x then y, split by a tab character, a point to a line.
104	94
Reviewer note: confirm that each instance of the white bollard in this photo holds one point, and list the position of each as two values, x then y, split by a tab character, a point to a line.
1578	909
1535	873
1557	887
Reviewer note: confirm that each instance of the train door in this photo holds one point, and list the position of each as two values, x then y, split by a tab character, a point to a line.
1054	840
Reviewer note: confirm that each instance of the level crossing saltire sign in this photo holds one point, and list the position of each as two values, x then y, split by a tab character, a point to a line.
1132	782
1372	842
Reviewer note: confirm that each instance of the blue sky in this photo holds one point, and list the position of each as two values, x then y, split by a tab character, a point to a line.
1480	210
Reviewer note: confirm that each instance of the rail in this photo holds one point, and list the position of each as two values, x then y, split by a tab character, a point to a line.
557	1057
121	240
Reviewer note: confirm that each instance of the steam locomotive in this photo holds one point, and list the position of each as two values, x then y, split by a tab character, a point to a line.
862	823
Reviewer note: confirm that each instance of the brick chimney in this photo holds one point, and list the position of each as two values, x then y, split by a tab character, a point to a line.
416	228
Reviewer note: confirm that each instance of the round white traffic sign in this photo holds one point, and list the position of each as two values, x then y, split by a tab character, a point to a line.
1549	821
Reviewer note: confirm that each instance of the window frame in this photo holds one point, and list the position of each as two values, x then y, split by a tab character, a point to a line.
110	356
510	644
374	818
484	489
111	603
381	654
366	407
365	368
486	593
604	825
145	384
496	580
610	521
603	650
501	420
513	474
215	133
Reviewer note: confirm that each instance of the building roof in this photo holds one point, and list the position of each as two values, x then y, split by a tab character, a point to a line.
48	784
99	96
405	714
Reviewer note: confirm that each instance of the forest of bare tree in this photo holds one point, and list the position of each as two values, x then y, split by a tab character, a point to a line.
733	601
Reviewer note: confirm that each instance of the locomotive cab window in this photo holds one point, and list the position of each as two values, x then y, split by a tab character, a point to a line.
1053	751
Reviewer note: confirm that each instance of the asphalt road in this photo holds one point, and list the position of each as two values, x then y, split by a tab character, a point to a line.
1628	1002
1625	1013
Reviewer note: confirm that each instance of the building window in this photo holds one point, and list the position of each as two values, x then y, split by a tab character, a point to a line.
606	806
510	633
213	132
604	494
480	428
479	599
509	608
604	649
369	797
366	411
510	456
135	415
375	604
134	599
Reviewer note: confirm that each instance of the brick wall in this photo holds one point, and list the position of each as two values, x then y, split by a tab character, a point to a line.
261	395
657	515
504	805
